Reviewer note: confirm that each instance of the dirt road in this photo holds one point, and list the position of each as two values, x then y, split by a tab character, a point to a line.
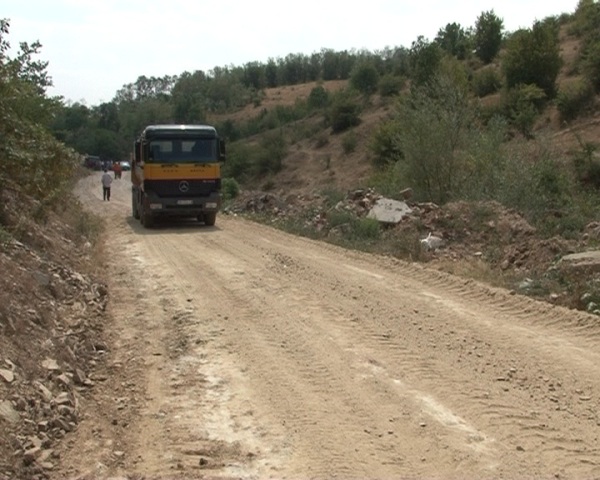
241	351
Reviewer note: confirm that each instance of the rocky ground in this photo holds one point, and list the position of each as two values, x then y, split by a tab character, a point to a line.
51	336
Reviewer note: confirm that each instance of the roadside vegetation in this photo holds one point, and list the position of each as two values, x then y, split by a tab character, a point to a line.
37	171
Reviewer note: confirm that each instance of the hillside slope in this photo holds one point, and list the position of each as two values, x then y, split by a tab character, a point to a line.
319	163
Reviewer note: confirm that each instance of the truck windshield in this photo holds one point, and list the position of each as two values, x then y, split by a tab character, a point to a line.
200	150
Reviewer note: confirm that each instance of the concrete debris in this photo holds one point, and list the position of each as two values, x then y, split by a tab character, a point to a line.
387	210
432	242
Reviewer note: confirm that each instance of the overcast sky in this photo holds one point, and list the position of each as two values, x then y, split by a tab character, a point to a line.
94	47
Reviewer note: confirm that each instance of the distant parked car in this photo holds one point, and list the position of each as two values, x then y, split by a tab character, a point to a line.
93	162
125	165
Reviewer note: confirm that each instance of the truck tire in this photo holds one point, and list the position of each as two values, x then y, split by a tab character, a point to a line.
134	207
147	219
210	218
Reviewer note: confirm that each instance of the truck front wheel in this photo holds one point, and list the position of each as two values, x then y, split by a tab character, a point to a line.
147	218
134	207
210	218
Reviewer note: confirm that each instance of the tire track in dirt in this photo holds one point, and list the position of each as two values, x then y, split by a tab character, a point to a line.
518	416
249	300
284	357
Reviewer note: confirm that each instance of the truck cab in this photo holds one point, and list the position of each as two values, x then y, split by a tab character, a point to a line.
176	172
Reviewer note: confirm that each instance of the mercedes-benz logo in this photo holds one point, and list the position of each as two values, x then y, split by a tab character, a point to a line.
184	186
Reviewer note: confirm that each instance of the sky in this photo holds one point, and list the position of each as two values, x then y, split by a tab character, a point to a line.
95	47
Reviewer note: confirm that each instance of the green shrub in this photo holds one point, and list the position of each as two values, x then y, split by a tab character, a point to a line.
349	142
385	144
390	85
336	218
230	188
268	156
574	99
88	226
366	229
353	228
5	237
486	81
365	78
591	64
332	196
523	105
344	112
586	165
239	161
318	98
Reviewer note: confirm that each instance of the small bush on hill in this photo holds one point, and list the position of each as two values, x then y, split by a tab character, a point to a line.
486	81
574	99
390	85
349	142
318	98
230	188
344	112
587	165
523	105
385	145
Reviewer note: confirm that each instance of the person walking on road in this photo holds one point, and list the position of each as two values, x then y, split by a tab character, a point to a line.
117	169
106	182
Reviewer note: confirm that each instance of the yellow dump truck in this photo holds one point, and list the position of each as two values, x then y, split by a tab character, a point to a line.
176	172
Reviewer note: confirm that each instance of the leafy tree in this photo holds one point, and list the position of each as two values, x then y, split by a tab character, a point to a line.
400	62
488	36
431	131
591	64
587	20
254	75
291	69
454	40
29	155
365	78
147	87
533	57
108	116
425	58
189	97
271	73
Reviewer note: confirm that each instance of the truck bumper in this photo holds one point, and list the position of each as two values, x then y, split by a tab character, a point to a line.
181	206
